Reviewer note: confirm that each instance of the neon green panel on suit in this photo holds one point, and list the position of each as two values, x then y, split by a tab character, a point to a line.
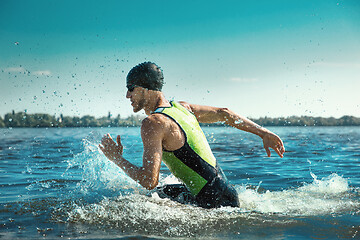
193	164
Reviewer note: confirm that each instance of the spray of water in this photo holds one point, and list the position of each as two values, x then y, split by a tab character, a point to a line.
125	205
326	196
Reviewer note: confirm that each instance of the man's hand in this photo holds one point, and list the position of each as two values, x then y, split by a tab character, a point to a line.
273	141
111	150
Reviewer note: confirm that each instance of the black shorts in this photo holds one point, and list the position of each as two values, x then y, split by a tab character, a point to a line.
217	193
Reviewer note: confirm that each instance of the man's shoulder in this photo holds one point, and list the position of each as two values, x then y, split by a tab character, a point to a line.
155	120
155	124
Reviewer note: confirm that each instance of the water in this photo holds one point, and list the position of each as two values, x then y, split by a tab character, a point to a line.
54	183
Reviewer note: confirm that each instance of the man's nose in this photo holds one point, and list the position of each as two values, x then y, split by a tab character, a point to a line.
128	94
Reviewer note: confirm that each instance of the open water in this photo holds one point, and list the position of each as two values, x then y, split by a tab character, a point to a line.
54	183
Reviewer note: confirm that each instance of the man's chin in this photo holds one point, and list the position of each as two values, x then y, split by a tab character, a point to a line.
135	110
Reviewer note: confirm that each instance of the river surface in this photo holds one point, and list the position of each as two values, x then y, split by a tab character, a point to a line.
55	183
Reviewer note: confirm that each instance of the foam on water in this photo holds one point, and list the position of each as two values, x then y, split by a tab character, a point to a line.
328	195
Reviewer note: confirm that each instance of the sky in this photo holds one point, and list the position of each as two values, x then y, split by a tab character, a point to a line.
258	58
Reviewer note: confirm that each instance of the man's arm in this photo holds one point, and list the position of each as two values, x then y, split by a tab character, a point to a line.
208	114
147	175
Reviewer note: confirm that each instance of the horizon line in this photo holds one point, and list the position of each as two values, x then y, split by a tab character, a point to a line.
143	115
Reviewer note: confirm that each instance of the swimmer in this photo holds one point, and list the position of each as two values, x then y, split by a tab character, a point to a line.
171	133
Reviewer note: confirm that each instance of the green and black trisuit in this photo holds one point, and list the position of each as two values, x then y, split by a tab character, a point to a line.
195	165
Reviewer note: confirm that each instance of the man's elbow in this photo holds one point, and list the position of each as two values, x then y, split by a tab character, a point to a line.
223	111
224	114
149	185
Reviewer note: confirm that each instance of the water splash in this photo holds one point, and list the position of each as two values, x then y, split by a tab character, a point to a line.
99	175
141	214
120	203
329	195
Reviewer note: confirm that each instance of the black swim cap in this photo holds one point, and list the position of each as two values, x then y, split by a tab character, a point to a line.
147	75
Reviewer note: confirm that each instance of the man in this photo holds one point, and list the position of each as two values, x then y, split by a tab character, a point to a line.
171	133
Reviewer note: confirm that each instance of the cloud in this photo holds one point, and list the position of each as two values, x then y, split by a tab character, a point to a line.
42	73
25	71
243	80
337	64
15	69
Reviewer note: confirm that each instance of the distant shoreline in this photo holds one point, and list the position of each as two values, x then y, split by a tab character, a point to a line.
40	120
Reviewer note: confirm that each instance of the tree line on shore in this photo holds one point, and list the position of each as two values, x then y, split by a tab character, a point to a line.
43	120
40	120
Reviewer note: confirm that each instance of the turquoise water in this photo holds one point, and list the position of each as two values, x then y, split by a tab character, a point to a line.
54	183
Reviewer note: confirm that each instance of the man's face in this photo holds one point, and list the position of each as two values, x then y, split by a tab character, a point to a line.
136	97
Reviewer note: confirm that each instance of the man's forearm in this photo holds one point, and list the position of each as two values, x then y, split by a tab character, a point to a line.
134	172
234	120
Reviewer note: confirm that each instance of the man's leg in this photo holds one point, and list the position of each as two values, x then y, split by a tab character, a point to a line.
175	192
